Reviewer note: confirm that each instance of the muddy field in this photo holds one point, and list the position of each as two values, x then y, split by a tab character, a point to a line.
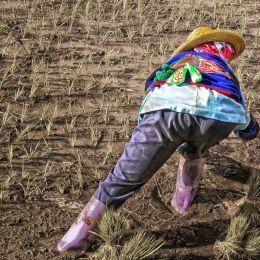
71	80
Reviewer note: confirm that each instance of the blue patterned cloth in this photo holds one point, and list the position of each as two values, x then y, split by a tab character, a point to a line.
196	101
216	81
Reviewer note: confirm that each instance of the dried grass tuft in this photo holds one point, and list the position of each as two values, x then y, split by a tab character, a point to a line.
106	252
111	227
238	227
140	246
232	246
226	249
252	211
243	237
252	244
253	192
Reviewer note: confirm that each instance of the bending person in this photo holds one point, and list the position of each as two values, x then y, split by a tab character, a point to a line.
192	102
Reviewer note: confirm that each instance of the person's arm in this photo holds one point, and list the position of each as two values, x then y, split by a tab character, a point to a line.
250	131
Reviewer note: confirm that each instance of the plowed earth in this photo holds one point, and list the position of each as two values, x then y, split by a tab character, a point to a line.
80	86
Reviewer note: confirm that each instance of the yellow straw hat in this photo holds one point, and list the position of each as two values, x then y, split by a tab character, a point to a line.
206	34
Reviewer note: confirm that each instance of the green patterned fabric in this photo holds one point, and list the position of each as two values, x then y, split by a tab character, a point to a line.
179	76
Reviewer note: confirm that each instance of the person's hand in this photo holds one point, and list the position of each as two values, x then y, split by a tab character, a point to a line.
250	132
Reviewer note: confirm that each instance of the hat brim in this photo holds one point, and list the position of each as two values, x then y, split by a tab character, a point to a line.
235	39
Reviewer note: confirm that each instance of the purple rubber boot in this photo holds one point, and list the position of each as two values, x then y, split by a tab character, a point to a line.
85	222
188	177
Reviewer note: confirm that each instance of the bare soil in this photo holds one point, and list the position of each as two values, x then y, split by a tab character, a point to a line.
92	73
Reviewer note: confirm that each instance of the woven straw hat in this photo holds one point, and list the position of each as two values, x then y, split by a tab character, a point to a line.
206	34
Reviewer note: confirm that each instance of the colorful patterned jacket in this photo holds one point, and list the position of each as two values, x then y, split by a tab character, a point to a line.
203	70
220	78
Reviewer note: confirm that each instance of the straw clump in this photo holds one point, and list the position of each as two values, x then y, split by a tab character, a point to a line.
251	206
106	252
232	245
140	246
252	211
111	227
252	244
253	192
243	236
116	247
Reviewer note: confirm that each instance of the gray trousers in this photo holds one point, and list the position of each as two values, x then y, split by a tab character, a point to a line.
153	142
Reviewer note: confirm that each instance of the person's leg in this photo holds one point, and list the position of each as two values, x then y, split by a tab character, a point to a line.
205	134
188	177
85	222
152	143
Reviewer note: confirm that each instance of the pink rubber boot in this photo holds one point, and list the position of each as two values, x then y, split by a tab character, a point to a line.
85	222
188	177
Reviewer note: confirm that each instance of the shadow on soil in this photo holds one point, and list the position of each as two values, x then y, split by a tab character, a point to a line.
229	168
193	235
